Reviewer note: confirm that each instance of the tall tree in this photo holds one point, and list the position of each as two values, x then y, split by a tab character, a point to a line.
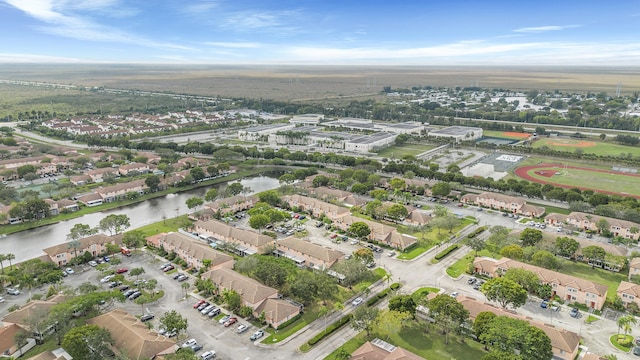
115	224
515	336
530	237
566	246
448	314
391	322
364	318
194	202
505	292
211	195
359	229
87	342
133	239
173	320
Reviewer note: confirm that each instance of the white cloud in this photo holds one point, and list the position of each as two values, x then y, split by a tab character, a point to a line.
33	58
235	45
539	29
60	17
258	20
200	7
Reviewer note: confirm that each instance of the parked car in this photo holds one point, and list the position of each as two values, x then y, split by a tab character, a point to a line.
176	276
12	291
114	284
168	268
129	292
208	355
200	302
224	319
206	310
122	270
93	263
1	299
391	254
471	281
146	317
544	304
189	343
230	322
575	313
214	312
454	294
357	301
164	266
203	305
183	278
135	295
106	279
69	271
354	242
242	328
371	265
196	347
257	335
636	350
124	288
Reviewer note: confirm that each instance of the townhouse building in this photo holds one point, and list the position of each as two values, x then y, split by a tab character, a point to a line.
137	168
259	297
95	244
245	242
232	205
634	267
192	251
120	191
98	175
317	208
584	221
628	292
567	287
502	202
564	343
379	232
307	253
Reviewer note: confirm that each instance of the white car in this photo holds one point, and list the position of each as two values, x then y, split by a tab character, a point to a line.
189	343
107	278
454	294
1	299
208	355
93	263
69	271
242	328
354	242
357	301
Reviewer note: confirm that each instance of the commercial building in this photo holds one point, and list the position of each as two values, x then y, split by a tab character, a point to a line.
458	133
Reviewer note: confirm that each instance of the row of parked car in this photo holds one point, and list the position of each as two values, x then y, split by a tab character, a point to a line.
211	310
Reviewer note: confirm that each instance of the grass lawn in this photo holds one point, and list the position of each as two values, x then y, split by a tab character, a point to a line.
553	209
429	346
397	152
419	294
605	277
596	180
276	336
505	134
459	267
589	146
430	238
622	342
167	225
50	344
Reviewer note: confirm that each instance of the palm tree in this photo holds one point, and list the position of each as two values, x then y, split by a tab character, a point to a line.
9	257
387	278
3	257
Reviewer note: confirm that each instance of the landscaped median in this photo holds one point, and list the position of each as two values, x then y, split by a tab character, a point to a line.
442	254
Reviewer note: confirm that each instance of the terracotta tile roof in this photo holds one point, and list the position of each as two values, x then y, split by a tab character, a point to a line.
308	248
84	243
20	316
250	290
228	231
561	339
381	350
132	336
7	334
196	248
628	288
277	310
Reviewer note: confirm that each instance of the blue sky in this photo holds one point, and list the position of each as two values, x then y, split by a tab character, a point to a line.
416	32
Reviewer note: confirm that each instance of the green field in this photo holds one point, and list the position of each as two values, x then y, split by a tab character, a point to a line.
500	134
616	183
587	146
397	152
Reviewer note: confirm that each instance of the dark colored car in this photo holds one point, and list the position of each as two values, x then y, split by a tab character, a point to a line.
146	317
574	312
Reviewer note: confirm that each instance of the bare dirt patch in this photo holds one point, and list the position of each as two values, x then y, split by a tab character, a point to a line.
579	144
517	135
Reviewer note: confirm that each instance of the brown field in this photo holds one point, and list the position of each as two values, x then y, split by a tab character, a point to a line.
321	83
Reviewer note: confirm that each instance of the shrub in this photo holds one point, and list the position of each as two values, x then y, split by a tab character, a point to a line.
330	329
290	321
446	251
477	232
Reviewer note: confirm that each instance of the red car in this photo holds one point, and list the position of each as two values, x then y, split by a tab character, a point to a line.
231	322
195	306
122	270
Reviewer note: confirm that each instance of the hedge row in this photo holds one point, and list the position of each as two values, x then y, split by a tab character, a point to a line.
290	321
330	329
446	251
381	295
477	232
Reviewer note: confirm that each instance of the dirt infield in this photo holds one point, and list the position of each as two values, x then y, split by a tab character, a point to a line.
545	171
579	144
516	135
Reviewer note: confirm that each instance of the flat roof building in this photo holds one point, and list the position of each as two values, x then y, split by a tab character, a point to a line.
459	133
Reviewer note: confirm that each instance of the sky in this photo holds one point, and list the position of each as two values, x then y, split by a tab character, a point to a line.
323	32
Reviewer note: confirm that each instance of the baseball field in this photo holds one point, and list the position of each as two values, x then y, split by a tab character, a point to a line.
587	146
585	178
510	135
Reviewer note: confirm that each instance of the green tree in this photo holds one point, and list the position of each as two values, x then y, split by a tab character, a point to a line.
476	244
397	212
270	197
509	335
442	189
625	323
183	354
259	221
173	320
602	225
137	272
365	255
566	246
115	224
390	322
403	303
364	319
133	239
505	292
194	202
525	278
21	338
594	253
482	323
359	229
545	259
512	251
87	342
234	189
153	182
530	237
232	299
211	195
448	314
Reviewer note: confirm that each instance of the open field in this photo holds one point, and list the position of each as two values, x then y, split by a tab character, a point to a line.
320	82
397	152
506	134
586	146
584	178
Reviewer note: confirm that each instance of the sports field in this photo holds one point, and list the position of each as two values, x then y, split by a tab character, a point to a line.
506	134
587	146
397	152
584	178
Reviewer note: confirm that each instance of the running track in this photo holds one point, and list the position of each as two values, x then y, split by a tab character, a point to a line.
523	172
